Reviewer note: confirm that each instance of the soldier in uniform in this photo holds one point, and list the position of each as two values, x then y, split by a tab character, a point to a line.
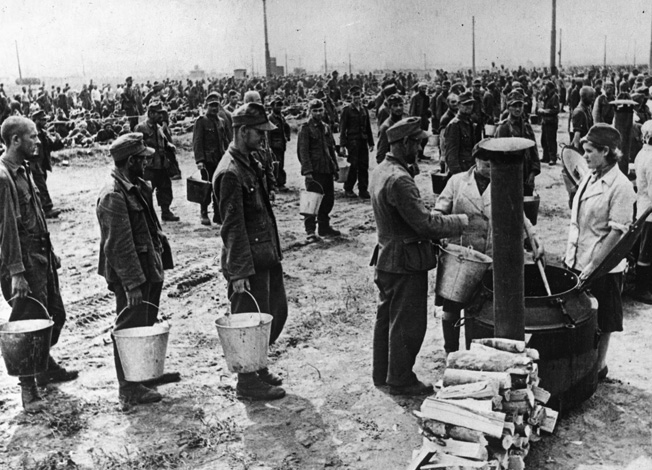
316	152
278	139
156	170
582	119
419	107
549	123
27	261
516	125
129	103
133	254
357	139
602	110
459	137
251	251
402	258
209	143
43	163
395	103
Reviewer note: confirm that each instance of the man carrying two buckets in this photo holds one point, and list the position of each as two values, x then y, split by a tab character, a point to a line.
133	254
28	267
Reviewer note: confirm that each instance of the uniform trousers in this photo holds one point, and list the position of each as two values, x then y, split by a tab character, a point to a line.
549	141
161	184
325	180
358	157
280	175
40	179
401	322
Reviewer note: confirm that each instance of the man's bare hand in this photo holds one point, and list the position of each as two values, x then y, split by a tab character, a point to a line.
134	297
241	285
19	286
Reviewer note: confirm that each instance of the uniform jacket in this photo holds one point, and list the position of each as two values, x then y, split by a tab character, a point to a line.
355	125
522	128
209	139
279	137
316	148
401	217
383	144
461	196
551	103
581	120
154	138
45	149
459	140
643	164
420	105
131	234
22	222
249	232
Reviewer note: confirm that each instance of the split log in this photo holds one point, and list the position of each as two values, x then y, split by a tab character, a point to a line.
541	395
521	407
422	458
467	450
532	354
524	430
500	455
524	394
479	405
503	344
497	403
516	463
482	389
461	376
443	430
537	416
548	424
506	441
490	423
509	427
487	359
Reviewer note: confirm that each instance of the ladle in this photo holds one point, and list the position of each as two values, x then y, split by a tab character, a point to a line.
542	271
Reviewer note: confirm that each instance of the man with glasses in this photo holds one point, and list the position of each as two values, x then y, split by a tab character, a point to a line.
459	137
516	125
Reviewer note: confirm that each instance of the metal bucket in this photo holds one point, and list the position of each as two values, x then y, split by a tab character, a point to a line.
459	272
531	207
435	140
197	190
489	130
439	181
309	201
25	345
344	168
245	339
142	350
564	330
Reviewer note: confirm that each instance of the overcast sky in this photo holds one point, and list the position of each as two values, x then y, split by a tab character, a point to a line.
139	37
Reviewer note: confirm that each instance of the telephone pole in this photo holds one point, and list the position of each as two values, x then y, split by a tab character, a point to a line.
325	61
268	62
649	64
425	64
350	64
553	38
560	31
604	60
473	43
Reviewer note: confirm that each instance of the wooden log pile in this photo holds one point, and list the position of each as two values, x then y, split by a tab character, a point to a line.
487	412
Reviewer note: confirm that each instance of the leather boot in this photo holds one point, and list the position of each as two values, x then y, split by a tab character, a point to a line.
167	215
204	216
134	393
641	290
55	373
251	387
269	377
451	336
32	401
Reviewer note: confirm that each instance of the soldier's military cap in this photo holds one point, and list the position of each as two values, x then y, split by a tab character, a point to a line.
355	90
128	78
129	144
477	82
252	115
515	97
315	104
38	114
466	97
447	83
406	128
277	101
390	90
155	106
213	97
395	99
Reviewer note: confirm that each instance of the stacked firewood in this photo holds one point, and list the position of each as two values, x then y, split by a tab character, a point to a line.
488	410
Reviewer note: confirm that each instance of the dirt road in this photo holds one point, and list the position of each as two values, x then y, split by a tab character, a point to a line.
333	416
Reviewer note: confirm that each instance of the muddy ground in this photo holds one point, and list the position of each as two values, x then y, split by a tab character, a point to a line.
333	416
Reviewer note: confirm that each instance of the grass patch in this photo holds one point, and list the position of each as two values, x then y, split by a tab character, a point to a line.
66	423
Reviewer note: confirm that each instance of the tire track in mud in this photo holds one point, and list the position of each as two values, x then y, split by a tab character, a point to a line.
88	310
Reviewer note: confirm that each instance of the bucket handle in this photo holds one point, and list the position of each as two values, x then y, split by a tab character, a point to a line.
320	186
202	174
260	317
144	302
35	300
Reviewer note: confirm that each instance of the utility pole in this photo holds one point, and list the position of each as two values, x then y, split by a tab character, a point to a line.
286	62
425	64
350	64
473	43
268	64
252	62
604	60
649	64
560	31
83	67
20	72
634	52
553	38
325	61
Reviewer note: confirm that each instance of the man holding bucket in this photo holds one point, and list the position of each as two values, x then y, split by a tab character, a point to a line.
27	262
133	253
251	251
404	255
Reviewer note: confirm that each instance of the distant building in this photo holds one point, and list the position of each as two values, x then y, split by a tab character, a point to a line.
276	69
197	73
240	73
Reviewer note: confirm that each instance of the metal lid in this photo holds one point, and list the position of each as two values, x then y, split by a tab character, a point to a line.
506	144
619	251
574	163
623	103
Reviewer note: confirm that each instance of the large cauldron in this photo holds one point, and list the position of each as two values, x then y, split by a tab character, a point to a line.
564	330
